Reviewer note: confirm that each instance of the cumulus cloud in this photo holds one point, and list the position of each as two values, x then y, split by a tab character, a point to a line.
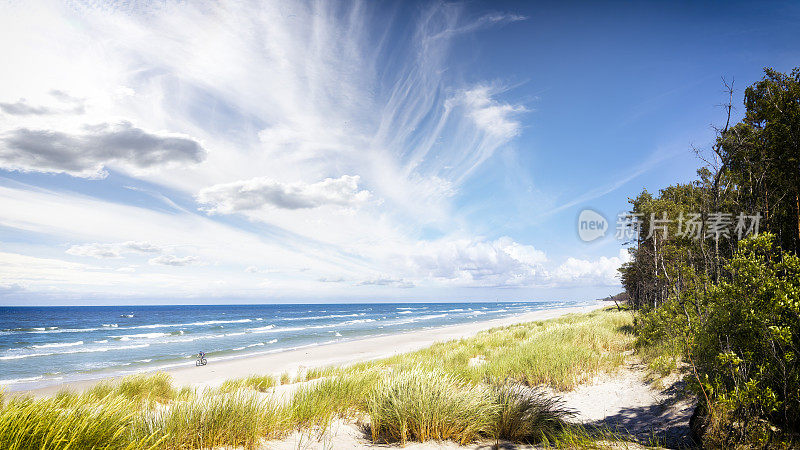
258	193
476	262
113	250
85	154
172	260
488	114
600	272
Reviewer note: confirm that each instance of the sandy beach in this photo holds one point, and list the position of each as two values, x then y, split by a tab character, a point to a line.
340	353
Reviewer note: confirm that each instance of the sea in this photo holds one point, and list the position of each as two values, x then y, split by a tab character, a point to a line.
41	346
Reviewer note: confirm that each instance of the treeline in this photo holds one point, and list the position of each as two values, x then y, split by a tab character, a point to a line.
715	274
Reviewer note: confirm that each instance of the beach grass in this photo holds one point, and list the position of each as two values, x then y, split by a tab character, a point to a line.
484	387
260	383
141	388
420	405
344	395
71	422
561	353
222	420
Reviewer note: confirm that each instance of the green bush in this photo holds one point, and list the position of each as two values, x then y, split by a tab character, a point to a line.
746	352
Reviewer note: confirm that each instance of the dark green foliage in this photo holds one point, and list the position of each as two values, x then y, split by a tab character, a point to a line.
730	306
747	351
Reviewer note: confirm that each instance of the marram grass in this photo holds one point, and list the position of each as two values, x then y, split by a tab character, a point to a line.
260	383
561	353
229	420
420	405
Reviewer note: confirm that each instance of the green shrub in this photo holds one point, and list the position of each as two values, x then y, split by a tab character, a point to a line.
746	352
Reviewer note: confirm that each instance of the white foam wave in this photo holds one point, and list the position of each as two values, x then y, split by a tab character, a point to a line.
128	337
331	316
189	324
430	317
58	344
82	350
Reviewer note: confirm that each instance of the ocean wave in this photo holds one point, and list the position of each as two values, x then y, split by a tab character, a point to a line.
266	329
58	344
28	329
331	316
432	316
406	312
21	380
110	325
82	350
257	344
189	324
340	324
128	337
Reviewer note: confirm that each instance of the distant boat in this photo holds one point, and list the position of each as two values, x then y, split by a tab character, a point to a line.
127	316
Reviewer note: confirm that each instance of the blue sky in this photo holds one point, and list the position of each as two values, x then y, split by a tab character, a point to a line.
350	151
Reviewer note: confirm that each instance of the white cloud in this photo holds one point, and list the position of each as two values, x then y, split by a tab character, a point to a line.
383	281
114	250
63	104
475	262
496	118
172	260
600	272
258	193
306	96
85	154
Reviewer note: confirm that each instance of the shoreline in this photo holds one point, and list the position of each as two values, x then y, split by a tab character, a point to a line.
331	354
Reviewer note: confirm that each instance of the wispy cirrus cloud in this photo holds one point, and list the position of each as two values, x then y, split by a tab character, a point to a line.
345	139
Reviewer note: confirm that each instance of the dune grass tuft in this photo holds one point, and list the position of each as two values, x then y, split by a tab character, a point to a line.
260	383
143	388
223	420
420	405
344	395
528	415
70	422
